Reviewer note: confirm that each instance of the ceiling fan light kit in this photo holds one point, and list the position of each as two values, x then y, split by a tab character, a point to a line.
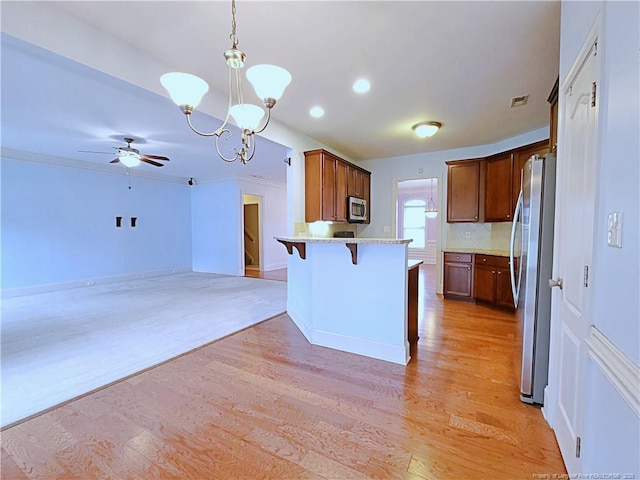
426	129
269	83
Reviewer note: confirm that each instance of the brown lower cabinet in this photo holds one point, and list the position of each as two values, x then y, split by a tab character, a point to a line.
458	276
492	280
483	278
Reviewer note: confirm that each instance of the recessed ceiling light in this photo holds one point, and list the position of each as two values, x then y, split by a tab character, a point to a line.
316	112
361	86
426	129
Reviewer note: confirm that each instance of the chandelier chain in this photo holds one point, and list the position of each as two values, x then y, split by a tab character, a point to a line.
234	39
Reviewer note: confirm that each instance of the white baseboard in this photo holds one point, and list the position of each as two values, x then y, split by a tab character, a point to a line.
275	266
363	346
305	329
346	343
88	282
619	369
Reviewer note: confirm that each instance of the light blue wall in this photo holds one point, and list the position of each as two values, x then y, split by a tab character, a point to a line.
58	225
216	216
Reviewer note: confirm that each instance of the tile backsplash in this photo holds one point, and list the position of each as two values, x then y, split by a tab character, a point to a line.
489	236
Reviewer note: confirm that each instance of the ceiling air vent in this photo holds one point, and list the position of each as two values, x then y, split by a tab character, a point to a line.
519	101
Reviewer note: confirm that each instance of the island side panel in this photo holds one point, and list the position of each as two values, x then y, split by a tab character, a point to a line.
360	308
300	300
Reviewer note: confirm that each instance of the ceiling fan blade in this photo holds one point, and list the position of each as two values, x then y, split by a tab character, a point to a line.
91	151
115	160
155	157
146	160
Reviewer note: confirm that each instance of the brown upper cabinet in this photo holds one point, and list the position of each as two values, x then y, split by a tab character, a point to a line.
463	190
520	157
498	184
329	180
487	189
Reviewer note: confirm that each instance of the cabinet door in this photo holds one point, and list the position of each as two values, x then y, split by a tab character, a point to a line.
504	296
354	182
463	191
341	192
328	188
485	283
498	184
520	157
457	279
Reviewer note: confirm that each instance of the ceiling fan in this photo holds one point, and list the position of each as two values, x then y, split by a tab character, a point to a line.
131	157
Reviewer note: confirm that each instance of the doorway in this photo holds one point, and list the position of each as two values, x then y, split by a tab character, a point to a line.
417	217
252	205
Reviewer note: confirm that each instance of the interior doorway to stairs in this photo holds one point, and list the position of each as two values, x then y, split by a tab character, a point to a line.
252	231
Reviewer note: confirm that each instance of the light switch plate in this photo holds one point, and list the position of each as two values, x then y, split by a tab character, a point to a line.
614	230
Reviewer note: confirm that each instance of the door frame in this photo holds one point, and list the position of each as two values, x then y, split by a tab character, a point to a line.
260	200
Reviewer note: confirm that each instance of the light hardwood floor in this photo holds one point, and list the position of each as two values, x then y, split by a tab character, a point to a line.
263	403
279	274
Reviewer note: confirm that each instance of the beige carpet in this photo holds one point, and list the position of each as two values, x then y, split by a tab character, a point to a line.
57	346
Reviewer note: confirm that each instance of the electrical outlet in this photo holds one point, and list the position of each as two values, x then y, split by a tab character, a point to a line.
420	170
387	229
90	283
467	234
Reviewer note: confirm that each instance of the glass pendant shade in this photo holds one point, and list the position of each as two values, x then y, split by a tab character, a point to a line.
129	159
184	88
247	116
269	81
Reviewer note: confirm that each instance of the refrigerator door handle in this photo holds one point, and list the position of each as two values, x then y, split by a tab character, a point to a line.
515	287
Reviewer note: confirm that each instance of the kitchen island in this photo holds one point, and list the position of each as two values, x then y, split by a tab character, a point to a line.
352	294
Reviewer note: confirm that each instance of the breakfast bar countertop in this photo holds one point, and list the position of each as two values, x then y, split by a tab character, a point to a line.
480	251
360	240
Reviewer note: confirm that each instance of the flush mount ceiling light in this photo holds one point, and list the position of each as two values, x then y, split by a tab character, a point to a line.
269	82
426	129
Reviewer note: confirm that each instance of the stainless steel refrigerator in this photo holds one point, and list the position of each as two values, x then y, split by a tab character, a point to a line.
532	250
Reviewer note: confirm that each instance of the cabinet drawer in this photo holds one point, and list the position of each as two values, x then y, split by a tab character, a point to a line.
458	257
499	262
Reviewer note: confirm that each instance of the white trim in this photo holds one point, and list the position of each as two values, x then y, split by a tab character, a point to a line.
304	328
275	266
362	346
619	369
89	282
347	343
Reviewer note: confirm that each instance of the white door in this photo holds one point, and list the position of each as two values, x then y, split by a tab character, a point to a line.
573	252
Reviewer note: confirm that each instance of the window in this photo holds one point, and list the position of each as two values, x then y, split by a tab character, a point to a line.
413	222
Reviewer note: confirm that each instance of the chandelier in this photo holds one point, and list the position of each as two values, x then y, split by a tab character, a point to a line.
431	211
269	82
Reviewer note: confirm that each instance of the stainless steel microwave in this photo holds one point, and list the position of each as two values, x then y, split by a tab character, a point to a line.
356	210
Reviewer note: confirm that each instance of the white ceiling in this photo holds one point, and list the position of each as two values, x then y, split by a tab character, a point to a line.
459	63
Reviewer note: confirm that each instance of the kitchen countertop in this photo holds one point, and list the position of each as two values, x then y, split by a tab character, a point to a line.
480	251
395	241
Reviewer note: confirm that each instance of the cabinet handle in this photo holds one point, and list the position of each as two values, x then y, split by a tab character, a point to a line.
468	268
499	273
457	258
476	217
493	272
484	259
